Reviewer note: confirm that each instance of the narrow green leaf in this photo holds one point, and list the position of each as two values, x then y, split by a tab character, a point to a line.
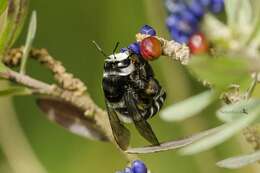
210	23
229	113
253	41
222	71
32	29
187	108
29	40
245	14
254	38
13	24
240	161
231	11
241	19
239	13
3	5
227	131
11	91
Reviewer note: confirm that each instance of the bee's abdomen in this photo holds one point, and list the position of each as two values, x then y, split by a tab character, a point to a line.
156	105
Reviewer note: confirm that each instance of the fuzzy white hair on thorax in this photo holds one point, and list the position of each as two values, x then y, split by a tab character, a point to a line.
118	56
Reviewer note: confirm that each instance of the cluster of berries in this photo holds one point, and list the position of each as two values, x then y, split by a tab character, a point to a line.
137	166
184	18
149	48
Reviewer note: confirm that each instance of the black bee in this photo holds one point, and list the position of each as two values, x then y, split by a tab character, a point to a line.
132	95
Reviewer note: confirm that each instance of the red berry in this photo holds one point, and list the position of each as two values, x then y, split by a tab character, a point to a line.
198	43
151	48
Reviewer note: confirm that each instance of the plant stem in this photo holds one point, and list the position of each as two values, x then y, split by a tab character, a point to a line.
14	143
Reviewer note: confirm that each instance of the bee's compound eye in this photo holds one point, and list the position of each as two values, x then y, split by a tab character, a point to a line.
124	63
120	64
108	66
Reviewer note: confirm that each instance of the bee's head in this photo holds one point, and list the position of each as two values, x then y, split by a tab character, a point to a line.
119	64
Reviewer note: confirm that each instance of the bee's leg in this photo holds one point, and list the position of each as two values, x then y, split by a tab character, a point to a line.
149	88
139	84
158	95
153	87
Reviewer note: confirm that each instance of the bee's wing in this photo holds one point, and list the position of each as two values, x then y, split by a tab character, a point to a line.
120	132
141	124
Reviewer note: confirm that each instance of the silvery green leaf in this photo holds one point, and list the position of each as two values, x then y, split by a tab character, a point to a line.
221	71
231	112
175	144
227	131
231	7
245	14
239	161
255	10
219	36
185	109
29	40
71	117
240	17
254	39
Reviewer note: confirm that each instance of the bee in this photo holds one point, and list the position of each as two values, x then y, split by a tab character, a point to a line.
132	95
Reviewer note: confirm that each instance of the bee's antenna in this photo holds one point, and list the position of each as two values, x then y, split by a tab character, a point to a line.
99	49
117	44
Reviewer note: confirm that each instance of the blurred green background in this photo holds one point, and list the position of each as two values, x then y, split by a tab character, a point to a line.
66	29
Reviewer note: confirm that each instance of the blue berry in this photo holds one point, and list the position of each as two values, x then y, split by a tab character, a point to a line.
128	170
148	30
124	49
175	21
216	6
189	17
134	48
179	36
139	167
183	38
204	3
174	6
197	9
172	20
